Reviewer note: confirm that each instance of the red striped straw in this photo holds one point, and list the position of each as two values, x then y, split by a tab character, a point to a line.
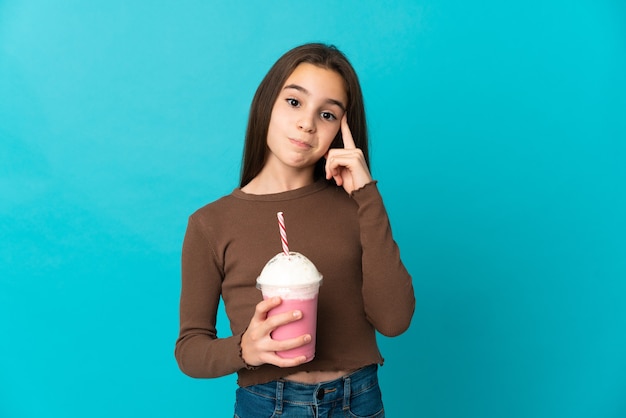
283	233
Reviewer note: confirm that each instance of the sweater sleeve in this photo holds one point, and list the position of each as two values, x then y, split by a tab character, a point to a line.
199	352
387	287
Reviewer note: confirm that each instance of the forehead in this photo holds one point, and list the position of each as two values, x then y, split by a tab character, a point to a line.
319	82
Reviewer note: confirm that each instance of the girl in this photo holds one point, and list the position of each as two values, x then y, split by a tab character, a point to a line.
306	154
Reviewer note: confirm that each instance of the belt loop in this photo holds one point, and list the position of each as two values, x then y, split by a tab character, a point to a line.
279	397
346	393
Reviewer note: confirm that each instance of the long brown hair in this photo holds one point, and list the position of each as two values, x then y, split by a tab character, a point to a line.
321	55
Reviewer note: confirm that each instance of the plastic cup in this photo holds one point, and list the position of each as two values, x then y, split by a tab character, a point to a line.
296	281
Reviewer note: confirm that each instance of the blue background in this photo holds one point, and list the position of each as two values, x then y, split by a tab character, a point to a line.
498	137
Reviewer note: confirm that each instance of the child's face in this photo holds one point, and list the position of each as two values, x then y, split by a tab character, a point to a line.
306	117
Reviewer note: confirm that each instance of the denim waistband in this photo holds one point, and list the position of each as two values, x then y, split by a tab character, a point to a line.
287	391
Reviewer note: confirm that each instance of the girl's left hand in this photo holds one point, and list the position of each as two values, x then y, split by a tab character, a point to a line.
347	165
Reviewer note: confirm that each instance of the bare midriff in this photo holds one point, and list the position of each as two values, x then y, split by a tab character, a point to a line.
317	376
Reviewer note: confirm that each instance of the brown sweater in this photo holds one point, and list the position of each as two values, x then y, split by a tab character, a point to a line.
366	287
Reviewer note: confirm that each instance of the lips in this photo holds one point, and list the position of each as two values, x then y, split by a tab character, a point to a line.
300	143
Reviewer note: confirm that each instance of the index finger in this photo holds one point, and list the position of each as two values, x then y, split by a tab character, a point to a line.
264	306
348	141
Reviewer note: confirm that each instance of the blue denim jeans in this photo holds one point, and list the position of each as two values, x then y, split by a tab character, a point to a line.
354	395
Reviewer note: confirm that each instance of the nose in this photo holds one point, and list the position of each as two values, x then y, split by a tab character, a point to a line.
306	124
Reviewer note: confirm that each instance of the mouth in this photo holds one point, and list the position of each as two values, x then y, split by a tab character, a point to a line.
300	143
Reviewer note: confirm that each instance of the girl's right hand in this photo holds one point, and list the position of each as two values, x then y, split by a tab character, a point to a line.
257	345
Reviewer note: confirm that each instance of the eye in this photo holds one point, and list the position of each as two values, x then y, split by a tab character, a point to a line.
293	102
328	116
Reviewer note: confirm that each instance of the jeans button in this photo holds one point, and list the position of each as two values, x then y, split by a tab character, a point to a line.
320	394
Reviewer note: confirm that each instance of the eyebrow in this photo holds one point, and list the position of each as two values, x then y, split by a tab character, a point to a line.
305	91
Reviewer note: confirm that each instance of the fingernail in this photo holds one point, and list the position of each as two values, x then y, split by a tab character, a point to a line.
307	338
297	314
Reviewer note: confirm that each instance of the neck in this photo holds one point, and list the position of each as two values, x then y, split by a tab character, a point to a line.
269	182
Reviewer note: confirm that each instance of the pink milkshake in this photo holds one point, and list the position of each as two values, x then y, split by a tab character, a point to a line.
296	280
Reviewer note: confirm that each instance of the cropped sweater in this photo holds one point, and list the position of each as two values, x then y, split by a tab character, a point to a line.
365	288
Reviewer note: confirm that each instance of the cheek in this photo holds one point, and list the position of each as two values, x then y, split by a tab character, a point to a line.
331	135
275	123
